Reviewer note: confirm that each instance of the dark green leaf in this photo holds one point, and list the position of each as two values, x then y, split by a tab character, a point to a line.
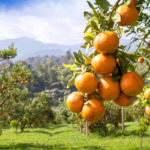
104	4
87	15
91	6
94	25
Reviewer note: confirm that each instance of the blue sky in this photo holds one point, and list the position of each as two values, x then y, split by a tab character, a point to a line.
49	21
13	3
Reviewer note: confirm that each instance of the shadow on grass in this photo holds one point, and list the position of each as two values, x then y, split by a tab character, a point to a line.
93	148
26	146
52	127
44	132
59	132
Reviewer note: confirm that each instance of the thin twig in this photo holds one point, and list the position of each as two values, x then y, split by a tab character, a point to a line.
3	102
113	9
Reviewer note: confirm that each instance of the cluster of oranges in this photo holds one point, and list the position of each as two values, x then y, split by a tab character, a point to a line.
100	80
147	96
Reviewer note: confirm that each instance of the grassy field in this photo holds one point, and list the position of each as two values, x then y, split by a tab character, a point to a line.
62	137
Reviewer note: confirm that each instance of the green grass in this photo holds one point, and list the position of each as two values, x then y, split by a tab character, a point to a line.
66	137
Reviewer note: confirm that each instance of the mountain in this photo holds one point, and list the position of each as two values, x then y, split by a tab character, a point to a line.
30	48
27	47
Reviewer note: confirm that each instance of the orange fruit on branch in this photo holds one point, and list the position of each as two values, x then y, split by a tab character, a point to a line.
131	84
108	88
128	15
133	3
147	110
75	102
86	83
140	60
93	110
106	42
124	100
103	64
147	94
2	87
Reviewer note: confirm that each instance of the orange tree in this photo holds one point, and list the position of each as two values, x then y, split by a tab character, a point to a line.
12	78
10	53
13	92
108	69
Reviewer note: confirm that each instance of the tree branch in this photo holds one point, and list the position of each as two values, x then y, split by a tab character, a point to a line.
3	102
113	9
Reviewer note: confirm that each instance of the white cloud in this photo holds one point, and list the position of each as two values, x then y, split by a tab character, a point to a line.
46	20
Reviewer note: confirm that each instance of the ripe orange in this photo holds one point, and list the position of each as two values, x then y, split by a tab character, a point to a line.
109	89
32	80
133	3
147	94
2	87
128	15
124	100
131	84
93	110
75	102
106	42
26	81
86	83
103	64
147	110
140	60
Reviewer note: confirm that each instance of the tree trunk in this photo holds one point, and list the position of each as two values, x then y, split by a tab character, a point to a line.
81	129
122	117
22	127
86	128
141	143
137	121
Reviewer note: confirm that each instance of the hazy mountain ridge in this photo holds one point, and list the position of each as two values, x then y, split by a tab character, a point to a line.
27	47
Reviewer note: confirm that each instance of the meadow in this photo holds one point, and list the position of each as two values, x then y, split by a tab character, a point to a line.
67	137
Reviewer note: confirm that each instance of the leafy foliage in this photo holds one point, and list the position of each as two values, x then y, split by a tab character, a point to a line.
10	53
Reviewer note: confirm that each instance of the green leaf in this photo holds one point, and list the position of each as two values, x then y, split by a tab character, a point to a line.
88	34
71	81
94	25
72	67
88	38
81	55
104	4
87	15
87	27
91	6
78	58
116	17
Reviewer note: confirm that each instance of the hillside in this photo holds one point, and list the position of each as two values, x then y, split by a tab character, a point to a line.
27	47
